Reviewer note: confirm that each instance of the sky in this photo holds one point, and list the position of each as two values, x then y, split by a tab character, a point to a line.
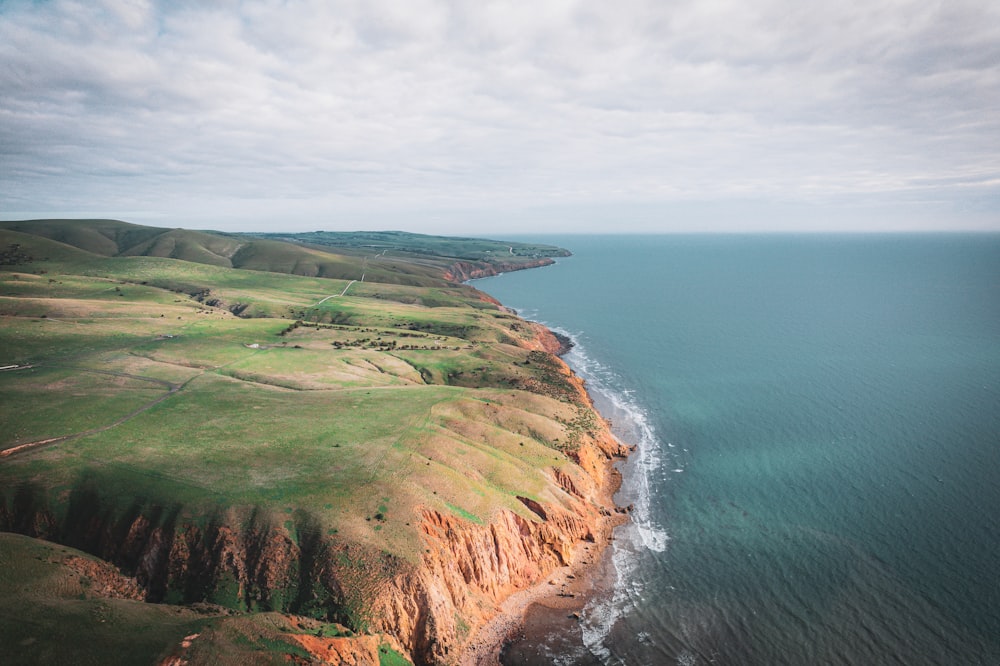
482	116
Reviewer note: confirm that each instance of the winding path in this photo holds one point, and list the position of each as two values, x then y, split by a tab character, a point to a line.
348	286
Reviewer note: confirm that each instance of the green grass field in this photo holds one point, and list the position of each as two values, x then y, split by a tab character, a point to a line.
166	382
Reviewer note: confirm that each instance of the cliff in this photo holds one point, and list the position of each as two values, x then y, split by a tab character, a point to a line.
462	271
244	558
419	455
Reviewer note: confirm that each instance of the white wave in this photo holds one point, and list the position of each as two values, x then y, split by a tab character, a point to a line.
632	425
602	612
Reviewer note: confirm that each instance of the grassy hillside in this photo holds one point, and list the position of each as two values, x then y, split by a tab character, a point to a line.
422	248
381	257
210	397
469	249
59	605
53	610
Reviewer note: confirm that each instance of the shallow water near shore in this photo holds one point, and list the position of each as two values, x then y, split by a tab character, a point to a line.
819	428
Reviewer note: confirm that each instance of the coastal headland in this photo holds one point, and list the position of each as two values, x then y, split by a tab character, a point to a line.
308	448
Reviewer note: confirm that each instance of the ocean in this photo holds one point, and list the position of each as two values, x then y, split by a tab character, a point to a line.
818	423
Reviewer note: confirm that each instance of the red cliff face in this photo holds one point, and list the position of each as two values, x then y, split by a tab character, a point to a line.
357	651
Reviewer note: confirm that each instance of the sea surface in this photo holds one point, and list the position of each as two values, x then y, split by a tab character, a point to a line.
818	422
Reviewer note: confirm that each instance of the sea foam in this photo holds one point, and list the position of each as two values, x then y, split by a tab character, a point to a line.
631	424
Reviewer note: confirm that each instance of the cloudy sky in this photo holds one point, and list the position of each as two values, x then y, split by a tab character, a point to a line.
480	116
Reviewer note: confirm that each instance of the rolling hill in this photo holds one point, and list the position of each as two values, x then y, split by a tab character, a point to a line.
386	257
300	465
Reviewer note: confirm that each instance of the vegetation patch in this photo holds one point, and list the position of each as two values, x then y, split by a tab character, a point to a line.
463	513
389	657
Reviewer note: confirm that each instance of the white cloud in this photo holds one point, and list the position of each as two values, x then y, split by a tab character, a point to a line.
222	112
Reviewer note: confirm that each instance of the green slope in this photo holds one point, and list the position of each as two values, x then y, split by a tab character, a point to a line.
382	257
469	249
283	402
52	611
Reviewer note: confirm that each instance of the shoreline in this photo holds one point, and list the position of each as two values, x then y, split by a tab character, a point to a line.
566	588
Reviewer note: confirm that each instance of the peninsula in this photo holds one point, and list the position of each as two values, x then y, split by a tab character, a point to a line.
280	448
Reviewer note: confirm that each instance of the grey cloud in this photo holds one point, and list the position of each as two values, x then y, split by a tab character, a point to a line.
373	108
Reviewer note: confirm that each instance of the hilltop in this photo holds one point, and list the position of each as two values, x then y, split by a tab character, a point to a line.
391	257
299	462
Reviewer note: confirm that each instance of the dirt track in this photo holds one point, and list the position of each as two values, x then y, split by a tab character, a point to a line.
171	389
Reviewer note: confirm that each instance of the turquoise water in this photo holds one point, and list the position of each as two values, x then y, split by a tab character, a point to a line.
818	480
